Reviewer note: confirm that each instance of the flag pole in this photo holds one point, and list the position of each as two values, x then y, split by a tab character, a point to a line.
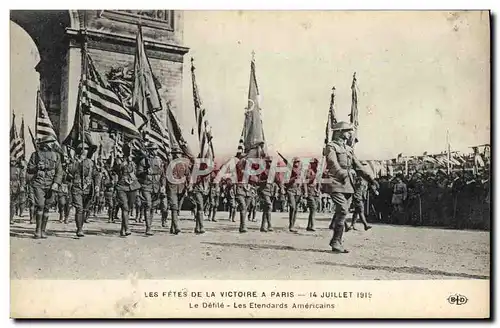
448	165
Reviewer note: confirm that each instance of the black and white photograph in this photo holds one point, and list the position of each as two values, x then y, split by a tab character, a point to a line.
310	148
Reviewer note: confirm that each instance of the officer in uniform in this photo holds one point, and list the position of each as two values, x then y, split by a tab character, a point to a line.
150	172
341	161
214	197
242	192
231	199
45	165
312	193
22	193
266	189
175	190
252	201
15	187
127	187
64	191
85	184
293	189
359	199
108	183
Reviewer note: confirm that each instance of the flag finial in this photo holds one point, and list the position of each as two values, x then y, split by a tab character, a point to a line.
192	64
253	55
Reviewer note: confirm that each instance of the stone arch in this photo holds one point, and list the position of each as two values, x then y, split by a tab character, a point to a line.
58	63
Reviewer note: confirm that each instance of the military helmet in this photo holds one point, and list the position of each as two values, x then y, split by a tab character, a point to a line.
342	126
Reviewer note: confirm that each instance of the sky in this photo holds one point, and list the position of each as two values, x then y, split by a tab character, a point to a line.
420	74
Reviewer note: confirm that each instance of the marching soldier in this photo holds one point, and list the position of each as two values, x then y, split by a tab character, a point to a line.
85	184
293	189
175	189
214	192
340	163
312	193
127	187
150	172
242	193
108	183
64	192
45	165
399	196
231	199
22	193
265	191
198	191
252	202
15	187
359	199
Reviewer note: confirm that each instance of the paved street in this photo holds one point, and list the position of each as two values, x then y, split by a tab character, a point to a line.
384	252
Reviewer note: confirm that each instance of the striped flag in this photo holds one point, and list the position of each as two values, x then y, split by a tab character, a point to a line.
104	104
203	128
44	129
177	142
145	97
16	143
158	135
332	118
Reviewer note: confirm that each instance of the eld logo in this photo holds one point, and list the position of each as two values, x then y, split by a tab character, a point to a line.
457	299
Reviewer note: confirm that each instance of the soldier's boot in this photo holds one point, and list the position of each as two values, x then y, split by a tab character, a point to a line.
198	217
263	224
336	242
268	217
110	215
79	224
164	216
32	215
38	228
12	215
21	209
233	215
243	216
332	223
149	222
45	220
124	232
61	216
174	225
310	221
254	212
214	211
291	220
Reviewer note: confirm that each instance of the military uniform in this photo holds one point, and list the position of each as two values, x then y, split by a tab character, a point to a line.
312	193
127	187
45	165
150	172
108	183
293	190
85	182
22	194
266	190
251	200
175	191
214	191
341	160
399	196
197	194
359	199
15	187
231	200
64	194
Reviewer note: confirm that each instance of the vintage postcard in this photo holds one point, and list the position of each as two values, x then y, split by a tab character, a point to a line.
250	164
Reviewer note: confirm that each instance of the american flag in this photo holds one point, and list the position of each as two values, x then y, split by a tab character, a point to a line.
204	131
332	119
158	135
16	143
44	128
21	135
105	104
